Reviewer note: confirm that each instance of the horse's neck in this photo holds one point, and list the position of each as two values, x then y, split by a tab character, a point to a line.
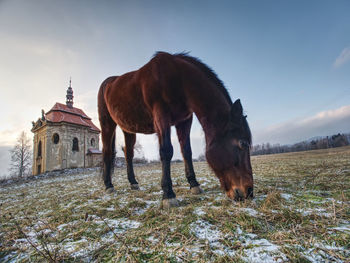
213	117
212	130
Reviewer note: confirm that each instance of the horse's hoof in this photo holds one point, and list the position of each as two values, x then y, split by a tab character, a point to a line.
168	203
110	190
196	190
135	187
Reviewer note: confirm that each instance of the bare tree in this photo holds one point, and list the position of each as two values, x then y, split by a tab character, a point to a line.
21	157
201	158
138	148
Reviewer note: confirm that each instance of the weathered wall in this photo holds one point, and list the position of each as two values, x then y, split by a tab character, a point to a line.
94	160
40	135
56	156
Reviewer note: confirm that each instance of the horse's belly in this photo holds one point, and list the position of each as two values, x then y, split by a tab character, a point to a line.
136	128
134	121
179	117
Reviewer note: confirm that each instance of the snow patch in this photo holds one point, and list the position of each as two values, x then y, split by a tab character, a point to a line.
263	251
199	211
69	224
250	211
316	211
205	231
111	208
80	249
120	225
287	196
319	253
343	228
152	239
259	250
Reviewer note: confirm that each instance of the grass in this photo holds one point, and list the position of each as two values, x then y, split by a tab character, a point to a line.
301	213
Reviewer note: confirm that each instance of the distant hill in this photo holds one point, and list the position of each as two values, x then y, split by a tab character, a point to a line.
314	143
315	138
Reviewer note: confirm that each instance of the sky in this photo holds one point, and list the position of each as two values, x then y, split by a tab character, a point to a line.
288	61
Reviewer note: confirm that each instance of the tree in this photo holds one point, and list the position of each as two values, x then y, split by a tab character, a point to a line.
137	148
21	157
201	158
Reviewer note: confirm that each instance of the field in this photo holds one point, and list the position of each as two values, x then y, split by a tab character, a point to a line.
301	213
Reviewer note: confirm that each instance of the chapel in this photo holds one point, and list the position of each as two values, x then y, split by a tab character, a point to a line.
64	137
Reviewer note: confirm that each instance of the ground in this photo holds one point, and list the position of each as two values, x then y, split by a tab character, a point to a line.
301	213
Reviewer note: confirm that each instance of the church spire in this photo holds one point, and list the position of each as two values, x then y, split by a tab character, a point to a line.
69	96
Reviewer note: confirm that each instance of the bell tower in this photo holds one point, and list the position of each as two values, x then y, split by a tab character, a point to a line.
69	96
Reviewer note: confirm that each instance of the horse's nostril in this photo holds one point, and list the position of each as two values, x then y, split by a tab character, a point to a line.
239	196
250	193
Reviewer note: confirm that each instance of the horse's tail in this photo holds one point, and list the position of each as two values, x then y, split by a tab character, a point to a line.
103	112
101	104
106	123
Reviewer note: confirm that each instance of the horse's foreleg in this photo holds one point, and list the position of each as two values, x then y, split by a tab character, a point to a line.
166	153
130	140
183	133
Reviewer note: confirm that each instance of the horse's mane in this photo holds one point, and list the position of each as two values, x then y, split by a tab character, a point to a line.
215	79
207	71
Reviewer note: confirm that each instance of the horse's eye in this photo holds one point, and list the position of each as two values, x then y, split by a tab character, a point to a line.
243	145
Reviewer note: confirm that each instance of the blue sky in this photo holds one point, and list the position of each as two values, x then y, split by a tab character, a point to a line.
288	61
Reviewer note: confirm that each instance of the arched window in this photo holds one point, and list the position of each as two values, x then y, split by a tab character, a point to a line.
92	142
75	147
39	149
55	138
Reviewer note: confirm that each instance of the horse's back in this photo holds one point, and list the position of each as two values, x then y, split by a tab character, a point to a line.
133	99
108	80
162	86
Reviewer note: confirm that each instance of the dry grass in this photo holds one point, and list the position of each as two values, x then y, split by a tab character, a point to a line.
301	213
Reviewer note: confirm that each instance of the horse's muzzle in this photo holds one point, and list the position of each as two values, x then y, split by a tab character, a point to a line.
240	196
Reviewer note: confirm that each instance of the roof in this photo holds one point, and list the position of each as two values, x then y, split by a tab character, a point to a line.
62	113
94	151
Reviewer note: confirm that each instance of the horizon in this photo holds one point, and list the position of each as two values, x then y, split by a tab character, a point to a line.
288	62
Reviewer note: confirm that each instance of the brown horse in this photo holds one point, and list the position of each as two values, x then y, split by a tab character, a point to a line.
165	92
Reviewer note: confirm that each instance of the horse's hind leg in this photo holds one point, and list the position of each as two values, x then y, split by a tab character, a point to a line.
108	127
183	133
108	151
130	139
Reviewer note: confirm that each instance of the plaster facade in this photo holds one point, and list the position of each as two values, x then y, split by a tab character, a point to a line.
64	138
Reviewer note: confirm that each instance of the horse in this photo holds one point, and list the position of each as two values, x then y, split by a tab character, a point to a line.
166	92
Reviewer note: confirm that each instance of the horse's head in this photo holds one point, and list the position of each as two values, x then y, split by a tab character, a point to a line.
229	156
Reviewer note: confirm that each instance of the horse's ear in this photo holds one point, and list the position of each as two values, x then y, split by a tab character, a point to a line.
236	108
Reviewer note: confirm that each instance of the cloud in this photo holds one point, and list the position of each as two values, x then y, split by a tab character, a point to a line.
343	58
322	124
